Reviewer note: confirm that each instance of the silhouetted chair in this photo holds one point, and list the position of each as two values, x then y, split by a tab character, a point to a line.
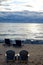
7	42
18	43
23	56
10	55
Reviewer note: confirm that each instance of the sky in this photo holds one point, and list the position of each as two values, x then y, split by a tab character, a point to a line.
21	5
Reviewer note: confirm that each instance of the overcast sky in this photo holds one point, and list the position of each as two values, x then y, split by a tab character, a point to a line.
20	5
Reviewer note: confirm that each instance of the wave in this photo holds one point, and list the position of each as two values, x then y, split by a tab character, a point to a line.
12	34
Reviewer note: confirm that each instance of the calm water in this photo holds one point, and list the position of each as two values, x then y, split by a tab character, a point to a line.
21	31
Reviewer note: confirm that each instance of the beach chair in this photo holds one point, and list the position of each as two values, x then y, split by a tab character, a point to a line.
10	56
18	43
7	42
23	56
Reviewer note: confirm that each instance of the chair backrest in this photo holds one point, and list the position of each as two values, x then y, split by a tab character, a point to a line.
18	42
7	41
24	55
10	54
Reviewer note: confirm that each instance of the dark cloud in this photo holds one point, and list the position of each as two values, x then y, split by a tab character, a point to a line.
7	8
0	4
2	1
22	17
4	4
28	6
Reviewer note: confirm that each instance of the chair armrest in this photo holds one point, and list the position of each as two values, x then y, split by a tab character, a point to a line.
5	54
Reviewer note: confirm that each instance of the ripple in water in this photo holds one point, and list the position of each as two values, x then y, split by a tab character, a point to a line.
21	31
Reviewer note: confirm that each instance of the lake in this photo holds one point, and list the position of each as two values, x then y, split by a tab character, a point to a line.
21	31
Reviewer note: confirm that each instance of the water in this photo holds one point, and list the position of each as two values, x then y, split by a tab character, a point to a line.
21	31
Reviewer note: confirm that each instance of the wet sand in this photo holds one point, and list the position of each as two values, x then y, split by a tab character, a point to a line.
35	51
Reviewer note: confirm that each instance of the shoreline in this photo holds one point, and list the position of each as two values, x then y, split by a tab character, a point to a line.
26	41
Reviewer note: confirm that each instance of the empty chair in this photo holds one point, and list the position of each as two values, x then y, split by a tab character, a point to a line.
23	56
10	55
18	43
7	42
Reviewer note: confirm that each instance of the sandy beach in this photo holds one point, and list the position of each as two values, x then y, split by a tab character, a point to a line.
35	51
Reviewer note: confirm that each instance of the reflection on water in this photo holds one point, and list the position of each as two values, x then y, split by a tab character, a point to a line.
21	30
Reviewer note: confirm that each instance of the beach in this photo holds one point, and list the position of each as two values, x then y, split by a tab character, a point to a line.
35	51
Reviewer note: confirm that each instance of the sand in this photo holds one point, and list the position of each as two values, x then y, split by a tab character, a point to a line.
35	51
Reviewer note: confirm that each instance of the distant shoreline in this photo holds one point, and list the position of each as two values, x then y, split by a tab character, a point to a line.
21	22
26	41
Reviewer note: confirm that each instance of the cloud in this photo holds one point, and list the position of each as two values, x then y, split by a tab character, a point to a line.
20	5
3	0
7	8
21	17
4	5
28	5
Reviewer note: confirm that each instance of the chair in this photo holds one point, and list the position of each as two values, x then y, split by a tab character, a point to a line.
7	42
18	43
10	55
23	56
